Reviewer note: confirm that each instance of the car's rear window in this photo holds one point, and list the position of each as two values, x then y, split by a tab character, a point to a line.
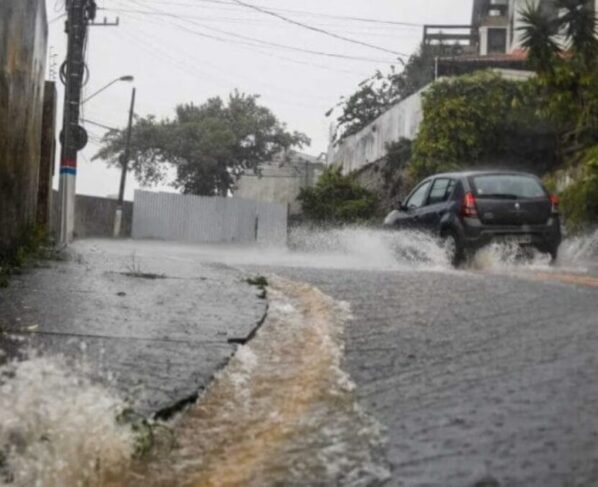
514	186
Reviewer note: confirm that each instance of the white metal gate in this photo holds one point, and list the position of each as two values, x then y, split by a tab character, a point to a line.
170	216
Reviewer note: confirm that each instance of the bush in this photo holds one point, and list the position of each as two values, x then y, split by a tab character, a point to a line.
479	119
579	204
338	199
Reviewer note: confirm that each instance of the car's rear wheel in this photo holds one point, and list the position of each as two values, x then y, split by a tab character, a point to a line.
551	250
452	246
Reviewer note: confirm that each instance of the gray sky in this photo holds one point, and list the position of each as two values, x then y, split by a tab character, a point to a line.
174	60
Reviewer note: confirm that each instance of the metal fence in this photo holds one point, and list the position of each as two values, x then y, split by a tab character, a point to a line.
169	216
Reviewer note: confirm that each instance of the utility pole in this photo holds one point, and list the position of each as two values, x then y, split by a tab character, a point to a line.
80	14
125	168
72	75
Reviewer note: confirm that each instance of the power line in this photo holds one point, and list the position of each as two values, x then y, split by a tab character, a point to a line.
260	50
51	21
307	13
147	42
317	29
245	20
254	40
97	124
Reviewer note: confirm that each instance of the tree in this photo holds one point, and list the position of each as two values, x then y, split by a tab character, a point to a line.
210	146
378	93
538	36
568	82
338	199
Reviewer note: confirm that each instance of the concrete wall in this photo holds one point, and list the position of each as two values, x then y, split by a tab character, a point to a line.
369	145
94	216
47	157
23	38
281	182
186	218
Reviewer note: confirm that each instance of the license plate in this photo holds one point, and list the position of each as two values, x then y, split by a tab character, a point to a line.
520	239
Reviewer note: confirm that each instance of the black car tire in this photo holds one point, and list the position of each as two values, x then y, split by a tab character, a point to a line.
453	247
551	250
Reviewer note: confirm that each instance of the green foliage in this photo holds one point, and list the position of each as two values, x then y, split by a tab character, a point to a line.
568	84
338	199
579	201
399	153
149	435
475	118
32	245
379	92
538	36
210	145
579	204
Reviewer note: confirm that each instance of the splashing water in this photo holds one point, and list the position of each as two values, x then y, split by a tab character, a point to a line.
580	249
57	429
372	248
575	254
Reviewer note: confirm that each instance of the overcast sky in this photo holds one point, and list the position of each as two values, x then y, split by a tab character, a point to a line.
170	47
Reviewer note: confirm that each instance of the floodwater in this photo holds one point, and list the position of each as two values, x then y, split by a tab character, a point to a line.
283	411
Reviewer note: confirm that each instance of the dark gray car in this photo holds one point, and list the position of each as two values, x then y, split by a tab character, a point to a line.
468	210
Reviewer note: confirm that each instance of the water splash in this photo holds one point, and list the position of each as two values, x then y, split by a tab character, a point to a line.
508	256
57	429
363	247
580	249
575	254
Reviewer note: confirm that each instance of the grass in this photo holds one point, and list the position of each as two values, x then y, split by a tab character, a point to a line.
32	247
148	435
261	283
134	270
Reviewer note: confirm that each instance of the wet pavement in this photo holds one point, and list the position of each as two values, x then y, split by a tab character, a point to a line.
154	327
484	376
474	377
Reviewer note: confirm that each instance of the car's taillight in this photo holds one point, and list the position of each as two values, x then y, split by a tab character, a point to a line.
469	209
554	201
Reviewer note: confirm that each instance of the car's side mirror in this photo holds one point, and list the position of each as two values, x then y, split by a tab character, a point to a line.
402	207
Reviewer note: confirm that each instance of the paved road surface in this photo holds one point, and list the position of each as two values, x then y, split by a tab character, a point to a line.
475	376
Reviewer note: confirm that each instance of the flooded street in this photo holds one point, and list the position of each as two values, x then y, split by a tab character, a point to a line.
377	364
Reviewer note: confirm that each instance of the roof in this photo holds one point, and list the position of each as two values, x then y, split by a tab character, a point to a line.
480	172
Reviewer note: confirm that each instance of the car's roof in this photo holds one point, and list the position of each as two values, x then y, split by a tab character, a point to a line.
467	174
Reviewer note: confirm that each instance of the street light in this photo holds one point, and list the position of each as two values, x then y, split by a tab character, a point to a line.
125	167
127	78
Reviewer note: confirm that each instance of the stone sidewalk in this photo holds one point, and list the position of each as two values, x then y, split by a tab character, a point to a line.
146	318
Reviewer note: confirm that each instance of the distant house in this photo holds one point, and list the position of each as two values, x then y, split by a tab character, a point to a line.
281	180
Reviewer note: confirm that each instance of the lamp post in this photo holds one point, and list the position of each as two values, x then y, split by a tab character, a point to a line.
125	167
127	78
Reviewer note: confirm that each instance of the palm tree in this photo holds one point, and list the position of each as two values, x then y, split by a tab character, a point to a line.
539	32
577	23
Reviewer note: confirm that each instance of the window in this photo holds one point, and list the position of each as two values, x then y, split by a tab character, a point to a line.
497	41
507	186
441	191
418	198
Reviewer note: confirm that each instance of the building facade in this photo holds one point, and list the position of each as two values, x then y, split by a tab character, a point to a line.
24	33
281	180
